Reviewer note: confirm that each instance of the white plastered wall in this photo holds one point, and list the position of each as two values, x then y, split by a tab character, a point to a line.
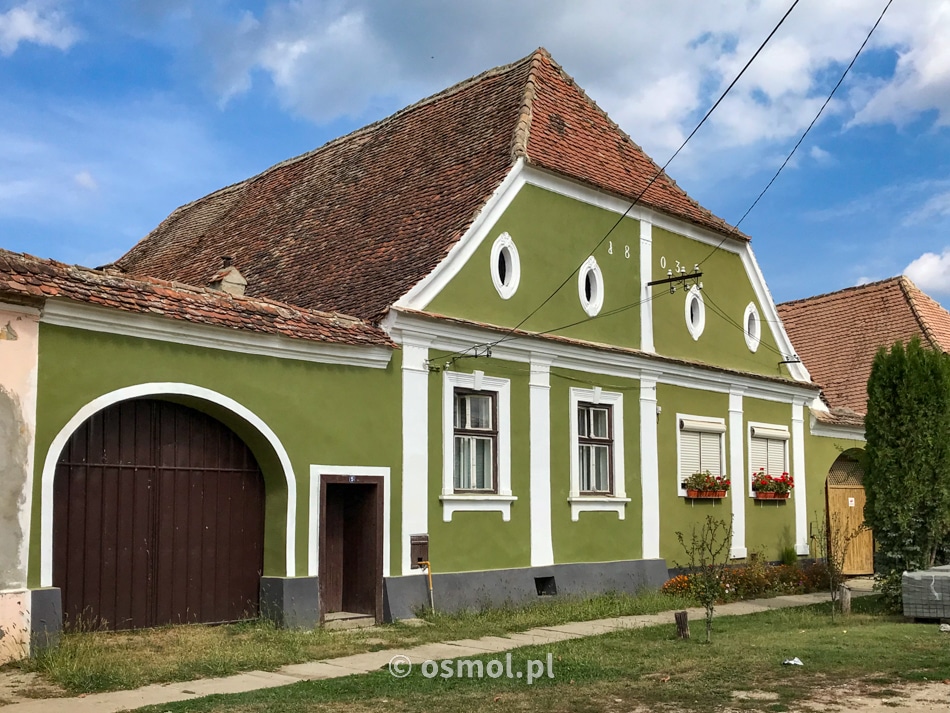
19	333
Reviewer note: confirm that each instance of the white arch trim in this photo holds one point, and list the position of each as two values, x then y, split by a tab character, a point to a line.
139	391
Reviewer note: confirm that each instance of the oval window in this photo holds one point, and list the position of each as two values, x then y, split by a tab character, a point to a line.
590	287
695	312
753	327
505	266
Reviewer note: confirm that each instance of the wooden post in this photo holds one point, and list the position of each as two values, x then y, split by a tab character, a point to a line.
844	596
682	625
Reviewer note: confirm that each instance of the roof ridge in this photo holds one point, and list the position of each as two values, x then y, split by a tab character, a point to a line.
658	171
852	288
522	132
369	128
911	292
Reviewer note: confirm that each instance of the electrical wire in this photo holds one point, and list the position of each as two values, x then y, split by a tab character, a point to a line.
661	170
805	133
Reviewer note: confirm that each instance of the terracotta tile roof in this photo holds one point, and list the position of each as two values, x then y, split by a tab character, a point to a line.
354	225
837	334
28	279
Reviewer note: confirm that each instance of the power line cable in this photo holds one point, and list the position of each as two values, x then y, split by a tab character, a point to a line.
661	170
807	130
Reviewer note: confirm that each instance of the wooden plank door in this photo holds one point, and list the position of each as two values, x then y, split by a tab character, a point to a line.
846	507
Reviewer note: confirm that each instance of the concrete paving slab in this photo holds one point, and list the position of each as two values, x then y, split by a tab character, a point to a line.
485	645
440	651
543	636
582	628
740	609
239	683
370	661
317	671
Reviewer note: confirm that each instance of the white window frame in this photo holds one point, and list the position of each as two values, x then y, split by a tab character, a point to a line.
770	431
695	295
593	305
702	424
505	289
617	501
754	336
501	500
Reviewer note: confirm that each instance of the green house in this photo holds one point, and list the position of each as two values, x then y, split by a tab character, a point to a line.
485	337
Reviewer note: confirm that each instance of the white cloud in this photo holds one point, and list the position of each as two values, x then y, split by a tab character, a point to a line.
38	23
86	180
931	272
819	154
863	280
655	68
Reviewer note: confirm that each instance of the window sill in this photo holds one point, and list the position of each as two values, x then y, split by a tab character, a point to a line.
476	502
597	503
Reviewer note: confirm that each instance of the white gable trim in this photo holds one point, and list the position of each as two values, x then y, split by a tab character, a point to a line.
419	297
432	284
146	326
158	389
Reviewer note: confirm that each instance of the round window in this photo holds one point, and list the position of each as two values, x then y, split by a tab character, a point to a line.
753	327
695	312
505	266
590	287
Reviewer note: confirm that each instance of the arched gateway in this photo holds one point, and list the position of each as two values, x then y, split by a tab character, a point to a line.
158	518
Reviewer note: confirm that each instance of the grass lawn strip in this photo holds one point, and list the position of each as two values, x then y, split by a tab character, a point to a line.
649	669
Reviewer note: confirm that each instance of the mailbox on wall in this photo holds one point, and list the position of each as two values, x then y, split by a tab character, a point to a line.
418	550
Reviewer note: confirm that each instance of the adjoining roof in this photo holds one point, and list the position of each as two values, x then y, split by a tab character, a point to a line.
28	279
837	335
354	225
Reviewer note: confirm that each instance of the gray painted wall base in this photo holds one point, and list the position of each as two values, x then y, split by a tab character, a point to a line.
46	618
291	602
403	597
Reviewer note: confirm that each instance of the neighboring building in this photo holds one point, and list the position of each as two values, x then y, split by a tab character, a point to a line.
836	335
508	399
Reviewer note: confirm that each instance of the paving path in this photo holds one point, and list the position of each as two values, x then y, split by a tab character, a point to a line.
373	661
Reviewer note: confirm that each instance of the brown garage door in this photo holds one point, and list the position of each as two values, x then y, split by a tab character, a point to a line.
158	518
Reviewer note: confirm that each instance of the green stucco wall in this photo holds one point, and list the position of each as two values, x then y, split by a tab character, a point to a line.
322	414
482	540
596	536
726	292
769	524
554	235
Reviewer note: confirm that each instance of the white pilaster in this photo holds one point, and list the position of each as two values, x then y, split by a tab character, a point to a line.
415	446
737	473
798	473
646	274
649	468
542	545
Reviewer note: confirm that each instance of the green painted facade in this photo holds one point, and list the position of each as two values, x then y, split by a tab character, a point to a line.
352	416
322	414
554	235
726	292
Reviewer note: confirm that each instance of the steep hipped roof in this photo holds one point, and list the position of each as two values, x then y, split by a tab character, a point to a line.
355	224
837	334
28	279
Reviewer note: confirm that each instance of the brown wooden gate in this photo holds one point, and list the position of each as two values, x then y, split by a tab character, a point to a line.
158	518
845	503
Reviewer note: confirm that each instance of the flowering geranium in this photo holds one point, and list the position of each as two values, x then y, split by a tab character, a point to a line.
704	480
762	482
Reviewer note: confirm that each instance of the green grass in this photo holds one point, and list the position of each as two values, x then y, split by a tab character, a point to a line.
96	661
649	668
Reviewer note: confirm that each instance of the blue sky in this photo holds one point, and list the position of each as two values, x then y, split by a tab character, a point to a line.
112	114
